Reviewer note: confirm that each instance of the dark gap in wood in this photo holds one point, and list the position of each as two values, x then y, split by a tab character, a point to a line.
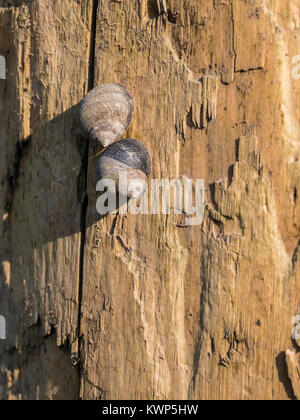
93	45
84	207
237	150
230	175
295	195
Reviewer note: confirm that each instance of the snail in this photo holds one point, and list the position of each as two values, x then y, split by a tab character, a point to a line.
105	113
126	158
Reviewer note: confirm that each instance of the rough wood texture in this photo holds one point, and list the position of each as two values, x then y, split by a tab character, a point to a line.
144	308
46	45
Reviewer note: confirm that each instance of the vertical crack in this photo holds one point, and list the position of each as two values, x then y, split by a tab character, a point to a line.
93	45
233	36
85	162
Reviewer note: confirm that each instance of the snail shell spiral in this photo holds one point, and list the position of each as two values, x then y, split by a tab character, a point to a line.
130	156
106	112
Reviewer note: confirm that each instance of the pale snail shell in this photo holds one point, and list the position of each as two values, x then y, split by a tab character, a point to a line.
106	112
130	156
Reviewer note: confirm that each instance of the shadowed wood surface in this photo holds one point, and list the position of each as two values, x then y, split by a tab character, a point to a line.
136	306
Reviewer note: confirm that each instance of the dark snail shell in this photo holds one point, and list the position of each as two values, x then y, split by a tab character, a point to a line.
130	156
106	112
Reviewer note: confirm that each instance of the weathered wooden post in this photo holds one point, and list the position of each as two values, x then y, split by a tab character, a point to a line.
143	306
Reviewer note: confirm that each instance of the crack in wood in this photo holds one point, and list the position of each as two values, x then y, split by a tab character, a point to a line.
84	207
